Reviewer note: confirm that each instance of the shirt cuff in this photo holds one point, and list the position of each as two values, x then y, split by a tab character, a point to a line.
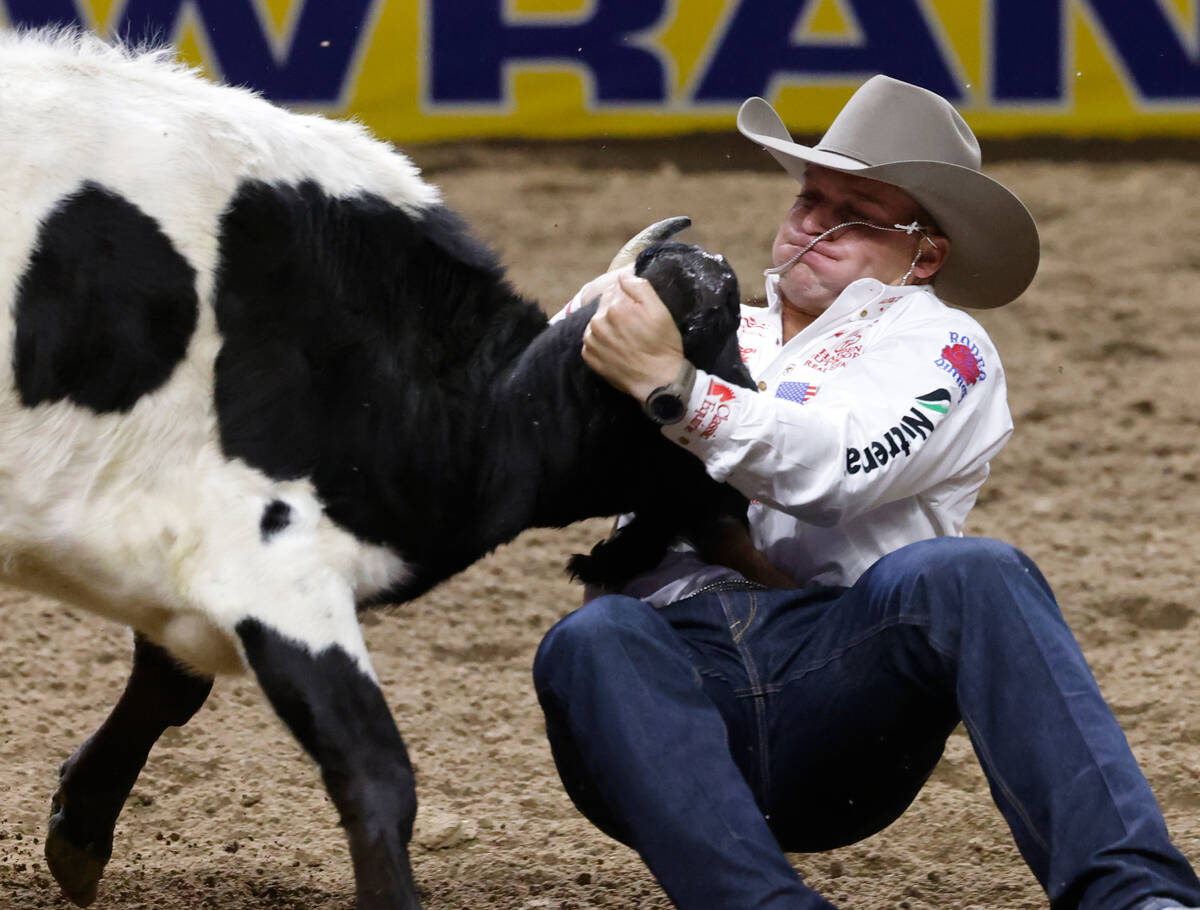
572	305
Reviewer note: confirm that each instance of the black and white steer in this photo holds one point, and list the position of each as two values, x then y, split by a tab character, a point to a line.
262	378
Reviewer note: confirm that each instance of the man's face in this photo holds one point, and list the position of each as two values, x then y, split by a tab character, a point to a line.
828	198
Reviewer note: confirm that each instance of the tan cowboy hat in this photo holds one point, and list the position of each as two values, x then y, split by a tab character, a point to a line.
914	139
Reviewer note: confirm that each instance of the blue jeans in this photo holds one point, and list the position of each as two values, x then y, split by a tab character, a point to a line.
711	733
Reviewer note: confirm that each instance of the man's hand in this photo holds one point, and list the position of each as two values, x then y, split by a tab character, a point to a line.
632	341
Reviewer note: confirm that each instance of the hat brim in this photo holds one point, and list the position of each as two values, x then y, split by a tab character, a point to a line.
994	246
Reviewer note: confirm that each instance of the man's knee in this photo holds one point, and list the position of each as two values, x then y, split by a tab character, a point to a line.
953	579
965	558
590	632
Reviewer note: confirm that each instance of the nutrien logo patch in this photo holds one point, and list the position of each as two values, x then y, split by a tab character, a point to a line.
963	360
901	440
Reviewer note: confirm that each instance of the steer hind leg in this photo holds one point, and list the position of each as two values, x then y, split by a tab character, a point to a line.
329	699
96	780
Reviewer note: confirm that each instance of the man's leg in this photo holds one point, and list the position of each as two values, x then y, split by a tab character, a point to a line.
644	752
841	713
974	621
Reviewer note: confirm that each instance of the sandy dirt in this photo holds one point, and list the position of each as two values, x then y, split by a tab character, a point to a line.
1100	485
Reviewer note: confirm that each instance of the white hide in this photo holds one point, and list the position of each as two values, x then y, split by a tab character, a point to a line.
138	516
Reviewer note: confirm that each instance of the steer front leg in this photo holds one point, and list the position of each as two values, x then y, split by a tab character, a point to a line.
96	780
337	712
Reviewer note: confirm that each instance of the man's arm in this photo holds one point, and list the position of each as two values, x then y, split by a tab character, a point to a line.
869	437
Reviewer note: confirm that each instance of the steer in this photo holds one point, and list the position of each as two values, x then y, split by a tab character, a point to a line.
261	378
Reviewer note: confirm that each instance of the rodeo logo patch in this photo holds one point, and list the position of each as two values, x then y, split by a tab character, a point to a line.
963	361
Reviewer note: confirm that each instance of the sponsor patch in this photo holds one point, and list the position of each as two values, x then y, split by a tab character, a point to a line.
963	361
712	411
848	347
710	415
798	392
901	440
719	390
937	401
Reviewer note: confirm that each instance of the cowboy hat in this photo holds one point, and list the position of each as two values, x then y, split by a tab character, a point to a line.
907	136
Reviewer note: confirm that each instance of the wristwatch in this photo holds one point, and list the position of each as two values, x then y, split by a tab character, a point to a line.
668	403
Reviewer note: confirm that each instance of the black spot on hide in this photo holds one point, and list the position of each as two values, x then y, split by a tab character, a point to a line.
276	516
106	307
360	343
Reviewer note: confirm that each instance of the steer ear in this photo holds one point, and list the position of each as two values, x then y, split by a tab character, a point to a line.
655	233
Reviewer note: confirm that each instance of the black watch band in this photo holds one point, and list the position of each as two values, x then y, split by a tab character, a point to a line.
668	403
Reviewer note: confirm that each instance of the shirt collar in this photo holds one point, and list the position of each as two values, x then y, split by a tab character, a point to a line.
861	299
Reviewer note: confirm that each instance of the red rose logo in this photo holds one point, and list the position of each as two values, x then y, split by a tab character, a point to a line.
960	357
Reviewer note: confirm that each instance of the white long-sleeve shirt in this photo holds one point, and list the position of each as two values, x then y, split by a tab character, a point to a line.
870	429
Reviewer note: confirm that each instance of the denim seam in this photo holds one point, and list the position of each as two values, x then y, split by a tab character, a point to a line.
888	623
985	755
743	652
1087	744
737	630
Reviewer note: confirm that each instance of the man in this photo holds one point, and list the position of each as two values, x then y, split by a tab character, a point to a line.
708	722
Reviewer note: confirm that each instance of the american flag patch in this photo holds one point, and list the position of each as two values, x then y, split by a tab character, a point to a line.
798	392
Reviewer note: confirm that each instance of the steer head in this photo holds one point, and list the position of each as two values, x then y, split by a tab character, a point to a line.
700	290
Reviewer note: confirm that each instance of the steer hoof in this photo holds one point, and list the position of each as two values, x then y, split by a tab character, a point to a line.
76	866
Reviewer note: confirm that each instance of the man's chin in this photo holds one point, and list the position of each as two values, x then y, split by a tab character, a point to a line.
812	298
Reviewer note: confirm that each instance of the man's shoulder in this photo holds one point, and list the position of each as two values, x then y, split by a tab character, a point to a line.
926	327
925	309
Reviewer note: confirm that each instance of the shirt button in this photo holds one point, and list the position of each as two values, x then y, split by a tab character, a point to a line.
863	313
762	386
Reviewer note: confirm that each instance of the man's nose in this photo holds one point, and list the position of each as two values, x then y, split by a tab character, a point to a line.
815	220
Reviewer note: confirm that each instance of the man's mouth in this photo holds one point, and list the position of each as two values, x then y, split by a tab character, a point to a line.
820	248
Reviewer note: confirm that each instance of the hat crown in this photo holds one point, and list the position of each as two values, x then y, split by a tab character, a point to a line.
887	121
907	136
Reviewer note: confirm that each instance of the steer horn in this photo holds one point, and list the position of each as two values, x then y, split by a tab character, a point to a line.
657	232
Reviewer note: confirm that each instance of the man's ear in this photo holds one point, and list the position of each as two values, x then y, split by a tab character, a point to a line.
934	250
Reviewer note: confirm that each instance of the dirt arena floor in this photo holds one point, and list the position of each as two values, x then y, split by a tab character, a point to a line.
1101	484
